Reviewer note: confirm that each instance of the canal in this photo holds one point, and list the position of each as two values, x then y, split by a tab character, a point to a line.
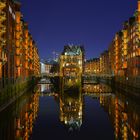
88	111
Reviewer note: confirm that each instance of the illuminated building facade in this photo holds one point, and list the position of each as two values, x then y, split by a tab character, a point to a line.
118	55
92	66
72	61
112	58
19	58
122	59
47	66
98	65
3	58
104	63
35	61
124	52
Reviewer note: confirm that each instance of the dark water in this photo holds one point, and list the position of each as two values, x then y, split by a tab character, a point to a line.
93	111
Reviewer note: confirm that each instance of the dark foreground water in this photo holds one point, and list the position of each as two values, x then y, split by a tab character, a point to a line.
93	111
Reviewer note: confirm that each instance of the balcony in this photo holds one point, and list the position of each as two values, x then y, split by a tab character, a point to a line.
125	65
2	29
2	16
2	42
17	43
2	26
3	57
2	5
138	50
17	51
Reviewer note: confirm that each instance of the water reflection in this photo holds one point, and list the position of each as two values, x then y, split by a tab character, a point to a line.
96	88
68	105
71	102
16	122
124	113
45	88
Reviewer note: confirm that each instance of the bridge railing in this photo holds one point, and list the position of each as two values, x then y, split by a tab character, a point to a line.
49	74
97	75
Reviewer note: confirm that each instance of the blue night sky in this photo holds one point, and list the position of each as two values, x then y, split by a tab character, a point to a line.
92	23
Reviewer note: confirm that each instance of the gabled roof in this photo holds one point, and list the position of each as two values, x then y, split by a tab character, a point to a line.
73	50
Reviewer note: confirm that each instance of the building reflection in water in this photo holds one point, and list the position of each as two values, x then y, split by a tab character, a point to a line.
125	116
71	104
19	125
27	116
16	122
45	88
96	88
124	113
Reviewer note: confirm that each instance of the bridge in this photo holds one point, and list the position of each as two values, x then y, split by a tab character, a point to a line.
45	81
93	95
49	75
97	95
48	94
85	75
95	78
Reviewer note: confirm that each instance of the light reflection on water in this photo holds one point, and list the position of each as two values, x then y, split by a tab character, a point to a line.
75	111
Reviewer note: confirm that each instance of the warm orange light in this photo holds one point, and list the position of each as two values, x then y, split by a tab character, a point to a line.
18	62
17	133
26	33
125	46
18	16
125	34
17	51
138	51
17	43
139	19
138	5
125	52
